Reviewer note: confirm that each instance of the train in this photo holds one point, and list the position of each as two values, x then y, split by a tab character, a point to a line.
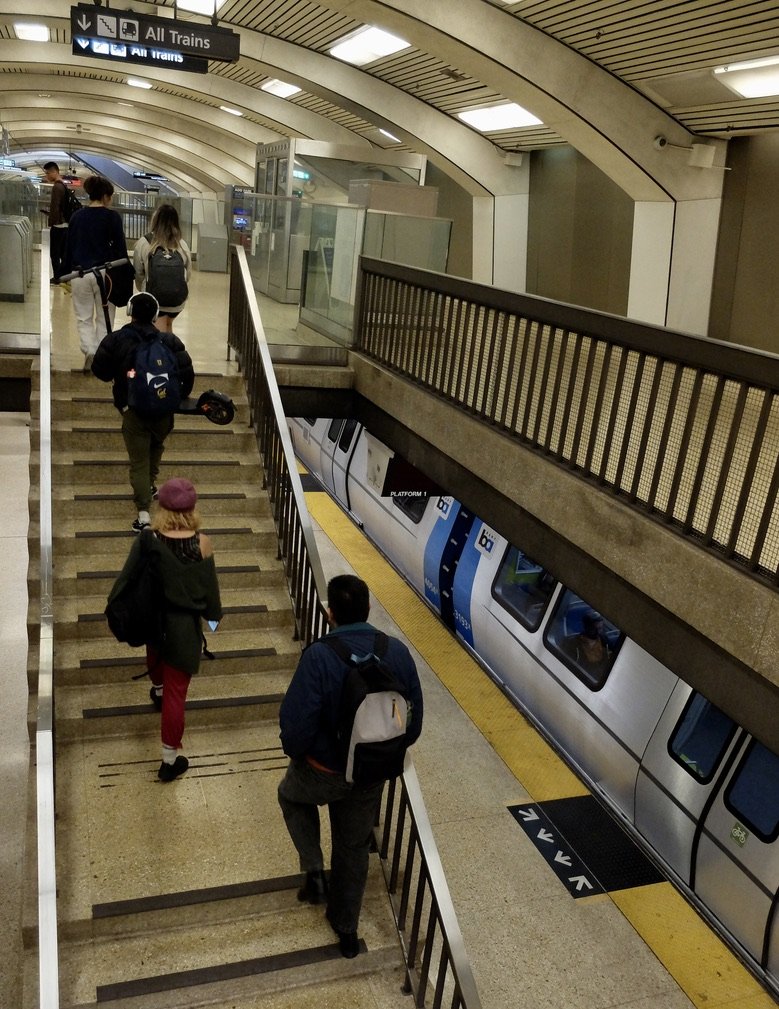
695	790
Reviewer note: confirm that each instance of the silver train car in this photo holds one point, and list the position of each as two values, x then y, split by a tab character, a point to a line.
697	792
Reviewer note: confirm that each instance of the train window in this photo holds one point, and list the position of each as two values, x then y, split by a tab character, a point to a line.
584	640
346	435
412	505
335	429
310	421
523	588
701	737
753	794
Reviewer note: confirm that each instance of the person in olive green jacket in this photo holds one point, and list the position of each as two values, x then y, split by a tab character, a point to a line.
184	559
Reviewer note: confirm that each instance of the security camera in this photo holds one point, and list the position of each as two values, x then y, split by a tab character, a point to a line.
659	142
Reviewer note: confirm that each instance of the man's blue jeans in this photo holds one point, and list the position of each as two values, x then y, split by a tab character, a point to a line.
353	810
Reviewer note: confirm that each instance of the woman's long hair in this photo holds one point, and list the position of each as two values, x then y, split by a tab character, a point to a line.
164	521
165	229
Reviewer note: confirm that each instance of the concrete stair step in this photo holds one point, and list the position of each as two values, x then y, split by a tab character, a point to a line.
244	609
93	711
236	652
289	952
73	382
94	574
114	535
110	469
189	433
65	407
98	501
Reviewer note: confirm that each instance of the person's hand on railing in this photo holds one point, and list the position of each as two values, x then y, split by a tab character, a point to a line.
81	270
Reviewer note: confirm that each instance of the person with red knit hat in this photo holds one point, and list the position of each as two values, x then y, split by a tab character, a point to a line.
184	562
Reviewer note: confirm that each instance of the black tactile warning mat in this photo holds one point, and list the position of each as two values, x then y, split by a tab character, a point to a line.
599	841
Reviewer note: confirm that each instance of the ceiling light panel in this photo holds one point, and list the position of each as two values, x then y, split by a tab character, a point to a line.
205	7
279	88
367	45
31	33
135	83
492	119
751	79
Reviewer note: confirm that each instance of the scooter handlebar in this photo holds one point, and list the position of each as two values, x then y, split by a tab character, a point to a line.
94	269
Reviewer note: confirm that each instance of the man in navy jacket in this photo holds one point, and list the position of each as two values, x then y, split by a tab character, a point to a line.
315	777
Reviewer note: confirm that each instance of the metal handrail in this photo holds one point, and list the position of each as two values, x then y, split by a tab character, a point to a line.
48	965
683	428
408	829
424	913
297	547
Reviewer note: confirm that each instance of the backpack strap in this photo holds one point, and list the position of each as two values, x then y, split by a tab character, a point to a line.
333	642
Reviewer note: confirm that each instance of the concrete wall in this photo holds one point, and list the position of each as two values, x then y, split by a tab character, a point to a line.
580	233
745	304
457	205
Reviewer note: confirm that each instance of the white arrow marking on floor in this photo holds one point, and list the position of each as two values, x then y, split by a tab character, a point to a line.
528	814
544	835
580	881
565	859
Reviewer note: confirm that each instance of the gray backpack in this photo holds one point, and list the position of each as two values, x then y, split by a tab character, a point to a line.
166	277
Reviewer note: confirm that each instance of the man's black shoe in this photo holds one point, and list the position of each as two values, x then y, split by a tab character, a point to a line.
348	943
156	699
314	890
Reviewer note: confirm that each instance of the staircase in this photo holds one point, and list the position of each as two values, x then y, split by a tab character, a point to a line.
181	894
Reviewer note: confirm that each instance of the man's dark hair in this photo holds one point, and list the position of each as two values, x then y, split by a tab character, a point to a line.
49	165
348	599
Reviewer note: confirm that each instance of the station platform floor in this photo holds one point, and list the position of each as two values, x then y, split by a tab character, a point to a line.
533	937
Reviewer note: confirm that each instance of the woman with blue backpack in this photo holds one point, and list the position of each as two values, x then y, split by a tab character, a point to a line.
163	265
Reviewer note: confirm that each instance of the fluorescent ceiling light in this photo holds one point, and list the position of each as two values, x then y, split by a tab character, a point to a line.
128	104
366	45
32	33
233	112
135	83
752	79
206	7
508	116
279	88
388	135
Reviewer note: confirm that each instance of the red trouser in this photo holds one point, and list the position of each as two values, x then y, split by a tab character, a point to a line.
175	684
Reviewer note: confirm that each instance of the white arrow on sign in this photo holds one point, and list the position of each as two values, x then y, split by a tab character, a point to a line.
544	835
84	23
580	881
528	814
565	859
84	43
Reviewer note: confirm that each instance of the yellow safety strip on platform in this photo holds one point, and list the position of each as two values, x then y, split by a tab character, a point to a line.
700	963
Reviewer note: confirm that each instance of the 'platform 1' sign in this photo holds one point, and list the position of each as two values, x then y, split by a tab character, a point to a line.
129	28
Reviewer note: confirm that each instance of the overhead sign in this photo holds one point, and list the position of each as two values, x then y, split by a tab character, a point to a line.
149	56
149	175
184	37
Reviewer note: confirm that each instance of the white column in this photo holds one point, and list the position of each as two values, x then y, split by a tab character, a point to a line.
672	263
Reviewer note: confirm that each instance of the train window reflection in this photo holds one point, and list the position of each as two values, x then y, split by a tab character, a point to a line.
310	421
346	435
412	505
334	430
701	738
753	794
523	588
584	640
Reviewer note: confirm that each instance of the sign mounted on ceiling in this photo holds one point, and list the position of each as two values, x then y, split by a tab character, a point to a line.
150	56
126	27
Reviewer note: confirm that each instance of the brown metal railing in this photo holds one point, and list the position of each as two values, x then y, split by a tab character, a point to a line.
683	428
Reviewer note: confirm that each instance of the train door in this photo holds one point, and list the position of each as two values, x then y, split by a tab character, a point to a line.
442	553
327	453
342	454
736	864
680	770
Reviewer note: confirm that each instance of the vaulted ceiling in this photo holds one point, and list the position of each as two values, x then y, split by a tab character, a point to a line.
606	76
